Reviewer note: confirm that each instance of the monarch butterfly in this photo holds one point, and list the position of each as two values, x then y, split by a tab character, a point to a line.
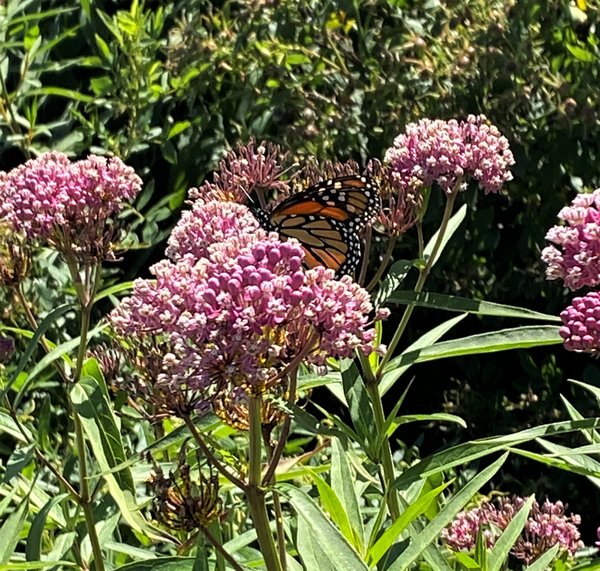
326	219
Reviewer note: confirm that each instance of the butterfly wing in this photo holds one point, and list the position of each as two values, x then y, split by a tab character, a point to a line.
326	219
352	200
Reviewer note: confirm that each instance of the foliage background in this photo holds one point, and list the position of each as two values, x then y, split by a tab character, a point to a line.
169	86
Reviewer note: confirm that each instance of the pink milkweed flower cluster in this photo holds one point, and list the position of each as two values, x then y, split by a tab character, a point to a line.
70	206
238	308
546	526
448	153
246	169
574	253
574	257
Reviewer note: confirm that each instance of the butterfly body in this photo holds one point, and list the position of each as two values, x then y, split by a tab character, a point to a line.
326	219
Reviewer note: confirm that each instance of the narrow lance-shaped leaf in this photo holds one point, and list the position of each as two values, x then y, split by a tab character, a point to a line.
501	549
465	305
337	551
492	342
430	533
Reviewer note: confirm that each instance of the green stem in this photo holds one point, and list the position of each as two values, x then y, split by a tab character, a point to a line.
211	457
385	453
85	499
384	262
423	275
254	492
269	476
220	551
280	530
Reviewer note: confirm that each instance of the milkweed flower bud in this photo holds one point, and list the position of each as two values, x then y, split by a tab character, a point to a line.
581	329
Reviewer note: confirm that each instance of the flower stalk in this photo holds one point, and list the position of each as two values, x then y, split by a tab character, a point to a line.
254	492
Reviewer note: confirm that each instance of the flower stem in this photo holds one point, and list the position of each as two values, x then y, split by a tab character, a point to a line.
211	457
386	452
384	262
220	551
85	498
423	275
86	304
254	492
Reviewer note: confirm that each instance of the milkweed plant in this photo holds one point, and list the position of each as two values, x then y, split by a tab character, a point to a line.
169	422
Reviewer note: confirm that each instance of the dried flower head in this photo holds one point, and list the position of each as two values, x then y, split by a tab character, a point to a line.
581	329
448	153
70	206
232	408
546	526
574	255
247	169
182	502
15	257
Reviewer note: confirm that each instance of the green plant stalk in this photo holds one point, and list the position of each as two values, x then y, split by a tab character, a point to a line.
384	262
220	552
386	452
85	499
423	275
254	492
371	383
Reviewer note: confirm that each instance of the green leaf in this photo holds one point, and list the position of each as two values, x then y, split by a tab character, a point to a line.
310	549
160	564
178	127
499	553
492	342
452	227
392	281
15	566
394	369
359	405
118	288
580	53
333	506
33	547
32	345
465	305
543	562
60	92
11	530
466	561
566	459
336	551
434	417
342	482
9	426
469	451
18	461
101	429
456	503
392	533
296	59
103	48
49	358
